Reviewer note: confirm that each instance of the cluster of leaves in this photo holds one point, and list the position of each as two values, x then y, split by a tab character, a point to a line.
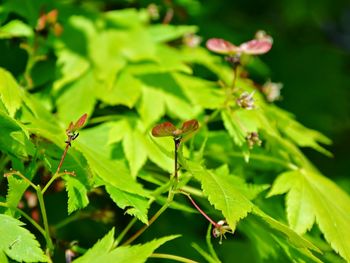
128	74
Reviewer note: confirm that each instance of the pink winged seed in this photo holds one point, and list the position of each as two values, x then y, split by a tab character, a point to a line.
256	46
221	46
164	129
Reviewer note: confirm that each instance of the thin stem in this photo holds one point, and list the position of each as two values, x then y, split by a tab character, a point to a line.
53	178
172	257
45	221
150	222
177	142
209	244
22	176
266	158
24	214
124	232
235	71
199	209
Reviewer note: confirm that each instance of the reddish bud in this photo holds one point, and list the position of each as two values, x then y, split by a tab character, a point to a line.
41	22
74	127
80	122
57	29
164	129
51	17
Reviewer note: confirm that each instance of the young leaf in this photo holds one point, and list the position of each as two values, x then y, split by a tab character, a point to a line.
17	242
312	197
137	205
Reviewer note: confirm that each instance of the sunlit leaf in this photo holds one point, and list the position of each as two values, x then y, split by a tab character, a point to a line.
17	242
136	205
310	198
10	92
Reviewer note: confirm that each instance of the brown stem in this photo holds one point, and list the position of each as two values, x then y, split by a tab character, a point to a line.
64	155
177	142
168	16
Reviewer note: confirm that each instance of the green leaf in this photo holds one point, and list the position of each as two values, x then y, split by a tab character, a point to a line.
14	138
93	144
77	194
152	106
17	242
201	92
298	133
224	192
125	91
165	33
135	150
102	246
71	65
15	28
126	18
136	253
3	258
16	188
69	106
302	244
10	92
275	240
136	205
311	197
177	104
233	128
103	251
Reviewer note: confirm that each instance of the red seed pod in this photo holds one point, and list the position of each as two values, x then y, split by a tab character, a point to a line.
168	129
164	129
